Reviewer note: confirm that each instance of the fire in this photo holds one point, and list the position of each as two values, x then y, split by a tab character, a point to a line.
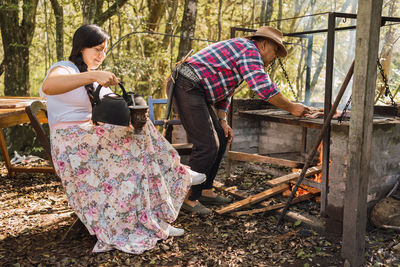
317	177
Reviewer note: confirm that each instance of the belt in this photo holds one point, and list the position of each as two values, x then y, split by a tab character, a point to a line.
187	71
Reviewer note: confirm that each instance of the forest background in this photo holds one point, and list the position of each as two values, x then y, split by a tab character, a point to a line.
156	33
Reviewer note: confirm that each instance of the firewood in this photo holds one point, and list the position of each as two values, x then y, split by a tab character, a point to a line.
233	191
310	189
273	207
240	156
253	199
294	176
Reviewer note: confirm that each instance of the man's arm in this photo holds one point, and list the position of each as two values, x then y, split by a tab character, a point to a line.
279	101
223	119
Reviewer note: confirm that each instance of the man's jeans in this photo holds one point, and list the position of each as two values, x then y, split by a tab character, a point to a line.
203	130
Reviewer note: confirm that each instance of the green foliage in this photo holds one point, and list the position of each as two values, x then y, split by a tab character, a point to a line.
144	61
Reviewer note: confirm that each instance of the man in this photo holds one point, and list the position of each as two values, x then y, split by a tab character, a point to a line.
207	81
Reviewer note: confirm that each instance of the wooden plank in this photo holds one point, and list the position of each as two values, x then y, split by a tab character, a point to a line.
20	117
240	156
40	169
310	189
312	183
360	131
17	102
253	199
273	207
294	176
233	191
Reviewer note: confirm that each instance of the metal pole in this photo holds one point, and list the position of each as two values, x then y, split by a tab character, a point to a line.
307	95
330	55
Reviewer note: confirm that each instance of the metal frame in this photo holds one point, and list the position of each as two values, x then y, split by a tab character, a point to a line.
332	16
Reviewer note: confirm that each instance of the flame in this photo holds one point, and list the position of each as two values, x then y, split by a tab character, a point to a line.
317	177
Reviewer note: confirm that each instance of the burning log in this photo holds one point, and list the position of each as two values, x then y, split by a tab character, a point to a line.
309	189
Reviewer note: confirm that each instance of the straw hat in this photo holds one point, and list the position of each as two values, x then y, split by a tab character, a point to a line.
272	34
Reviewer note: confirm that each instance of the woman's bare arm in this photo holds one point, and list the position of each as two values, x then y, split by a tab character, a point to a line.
60	80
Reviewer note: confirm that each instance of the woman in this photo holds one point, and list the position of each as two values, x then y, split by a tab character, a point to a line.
126	188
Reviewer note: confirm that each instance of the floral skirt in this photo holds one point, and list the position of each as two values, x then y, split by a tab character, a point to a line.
125	187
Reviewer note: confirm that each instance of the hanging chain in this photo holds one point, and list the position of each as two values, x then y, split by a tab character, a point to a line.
387	93
385	81
287	79
344	111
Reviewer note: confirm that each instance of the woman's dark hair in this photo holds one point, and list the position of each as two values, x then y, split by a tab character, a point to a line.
86	36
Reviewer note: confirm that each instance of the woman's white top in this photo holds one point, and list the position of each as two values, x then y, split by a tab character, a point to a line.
70	106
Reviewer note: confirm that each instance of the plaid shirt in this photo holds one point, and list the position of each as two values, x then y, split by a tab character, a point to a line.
223	66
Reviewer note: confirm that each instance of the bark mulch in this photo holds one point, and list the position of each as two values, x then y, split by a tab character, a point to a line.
34	215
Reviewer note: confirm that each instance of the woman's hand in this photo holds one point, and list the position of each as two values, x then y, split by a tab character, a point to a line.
227	130
104	78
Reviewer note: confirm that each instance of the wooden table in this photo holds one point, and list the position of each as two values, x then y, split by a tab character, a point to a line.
12	113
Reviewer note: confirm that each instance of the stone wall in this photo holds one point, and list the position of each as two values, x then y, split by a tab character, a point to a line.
246	131
384	165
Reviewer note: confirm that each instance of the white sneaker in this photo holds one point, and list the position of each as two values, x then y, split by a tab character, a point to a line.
173	231
197	178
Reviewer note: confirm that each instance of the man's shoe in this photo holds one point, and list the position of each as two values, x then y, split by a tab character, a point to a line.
218	200
197	209
197	178
173	231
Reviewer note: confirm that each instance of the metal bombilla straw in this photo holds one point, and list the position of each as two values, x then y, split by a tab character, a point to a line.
133	98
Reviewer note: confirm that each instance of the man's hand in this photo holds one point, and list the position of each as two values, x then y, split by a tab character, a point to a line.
227	130
298	109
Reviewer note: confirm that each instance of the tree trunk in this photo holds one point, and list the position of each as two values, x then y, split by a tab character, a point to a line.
156	12
279	14
173	6
92	11
268	12
58	13
89	8
262	13
219	20
188	26
2	67
17	37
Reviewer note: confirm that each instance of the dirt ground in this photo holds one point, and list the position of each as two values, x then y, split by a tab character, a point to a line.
34	215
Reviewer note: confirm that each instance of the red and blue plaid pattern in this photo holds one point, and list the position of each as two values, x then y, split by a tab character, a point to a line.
223	66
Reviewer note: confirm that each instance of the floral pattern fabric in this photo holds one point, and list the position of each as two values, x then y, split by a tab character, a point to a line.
125	187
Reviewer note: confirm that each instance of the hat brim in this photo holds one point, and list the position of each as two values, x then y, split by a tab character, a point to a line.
282	52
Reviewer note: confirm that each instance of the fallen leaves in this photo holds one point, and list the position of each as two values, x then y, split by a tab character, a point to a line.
36	216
